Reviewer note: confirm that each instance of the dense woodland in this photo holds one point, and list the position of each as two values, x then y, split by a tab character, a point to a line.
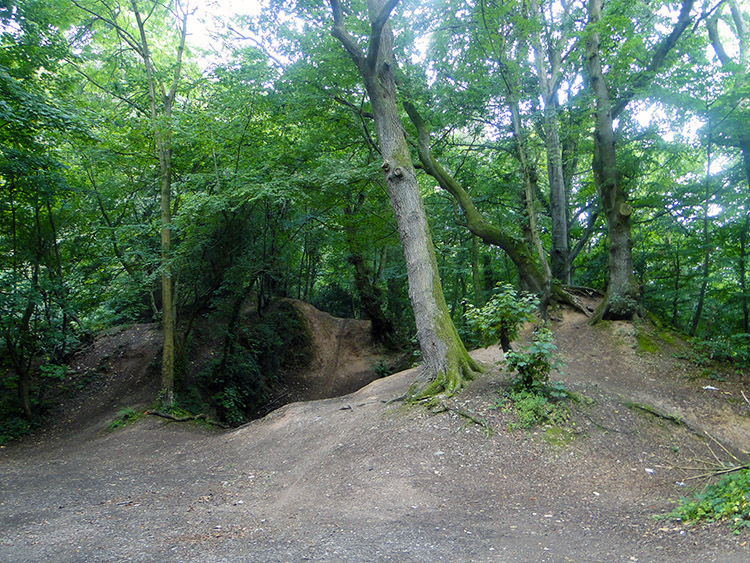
373	158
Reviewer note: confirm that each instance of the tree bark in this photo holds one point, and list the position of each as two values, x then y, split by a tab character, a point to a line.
623	299
163	141
558	200
622	292
706	247
446	363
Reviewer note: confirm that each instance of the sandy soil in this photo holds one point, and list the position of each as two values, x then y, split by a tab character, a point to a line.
357	478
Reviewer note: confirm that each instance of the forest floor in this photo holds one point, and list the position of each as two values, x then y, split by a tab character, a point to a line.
361	478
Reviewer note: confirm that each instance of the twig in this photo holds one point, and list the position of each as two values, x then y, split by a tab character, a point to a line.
468	415
745	397
718	472
730	454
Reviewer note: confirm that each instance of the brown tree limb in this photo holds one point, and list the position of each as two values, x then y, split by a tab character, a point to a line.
376	32
340	32
645	77
519	254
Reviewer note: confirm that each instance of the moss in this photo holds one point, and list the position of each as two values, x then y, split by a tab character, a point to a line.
558	437
667	337
645	343
460	366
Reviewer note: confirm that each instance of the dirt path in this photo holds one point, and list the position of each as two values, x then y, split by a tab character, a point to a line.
358	479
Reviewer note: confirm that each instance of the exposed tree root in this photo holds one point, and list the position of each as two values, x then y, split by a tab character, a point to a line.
570	295
196	417
442	406
461	367
675	419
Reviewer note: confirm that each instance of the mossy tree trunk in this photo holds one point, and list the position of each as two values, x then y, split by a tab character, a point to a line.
446	363
623	293
161	102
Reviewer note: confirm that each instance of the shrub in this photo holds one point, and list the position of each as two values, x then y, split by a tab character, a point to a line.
535	400
502	316
728	499
534	363
241	381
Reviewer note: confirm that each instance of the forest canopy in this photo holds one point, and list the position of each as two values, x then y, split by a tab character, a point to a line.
153	171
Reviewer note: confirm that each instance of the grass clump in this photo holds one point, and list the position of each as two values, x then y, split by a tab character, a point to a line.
726	500
534	408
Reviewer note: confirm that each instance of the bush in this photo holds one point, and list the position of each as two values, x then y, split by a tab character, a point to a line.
502	316
534	363
535	400
728	499
241	382
13	427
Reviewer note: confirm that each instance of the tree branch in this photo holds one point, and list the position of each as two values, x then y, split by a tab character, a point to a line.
339	32
660	54
376	32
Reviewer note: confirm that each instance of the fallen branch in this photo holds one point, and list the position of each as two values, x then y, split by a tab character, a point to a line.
719	472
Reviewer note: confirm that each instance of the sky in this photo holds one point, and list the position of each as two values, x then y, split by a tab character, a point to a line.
203	24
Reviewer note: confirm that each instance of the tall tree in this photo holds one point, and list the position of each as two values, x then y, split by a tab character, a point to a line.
161	91
446	362
623	291
548	58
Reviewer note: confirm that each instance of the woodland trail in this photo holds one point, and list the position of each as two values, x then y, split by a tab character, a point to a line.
356	478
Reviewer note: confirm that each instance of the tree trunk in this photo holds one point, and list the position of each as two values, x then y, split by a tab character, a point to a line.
743	275
163	142
476	279
706	241
446	362
558	200
622	293
623	299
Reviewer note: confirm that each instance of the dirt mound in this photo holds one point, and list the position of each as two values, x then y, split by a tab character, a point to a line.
359	478
345	357
118	369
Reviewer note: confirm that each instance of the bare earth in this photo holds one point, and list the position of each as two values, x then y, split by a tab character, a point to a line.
356	478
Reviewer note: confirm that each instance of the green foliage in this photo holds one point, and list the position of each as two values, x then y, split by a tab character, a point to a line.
733	349
501	317
12	426
124	417
242	381
726	500
533	398
381	369
534	363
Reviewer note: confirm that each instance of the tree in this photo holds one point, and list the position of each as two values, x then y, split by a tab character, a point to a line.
36	308
622	301
161	90
446	362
